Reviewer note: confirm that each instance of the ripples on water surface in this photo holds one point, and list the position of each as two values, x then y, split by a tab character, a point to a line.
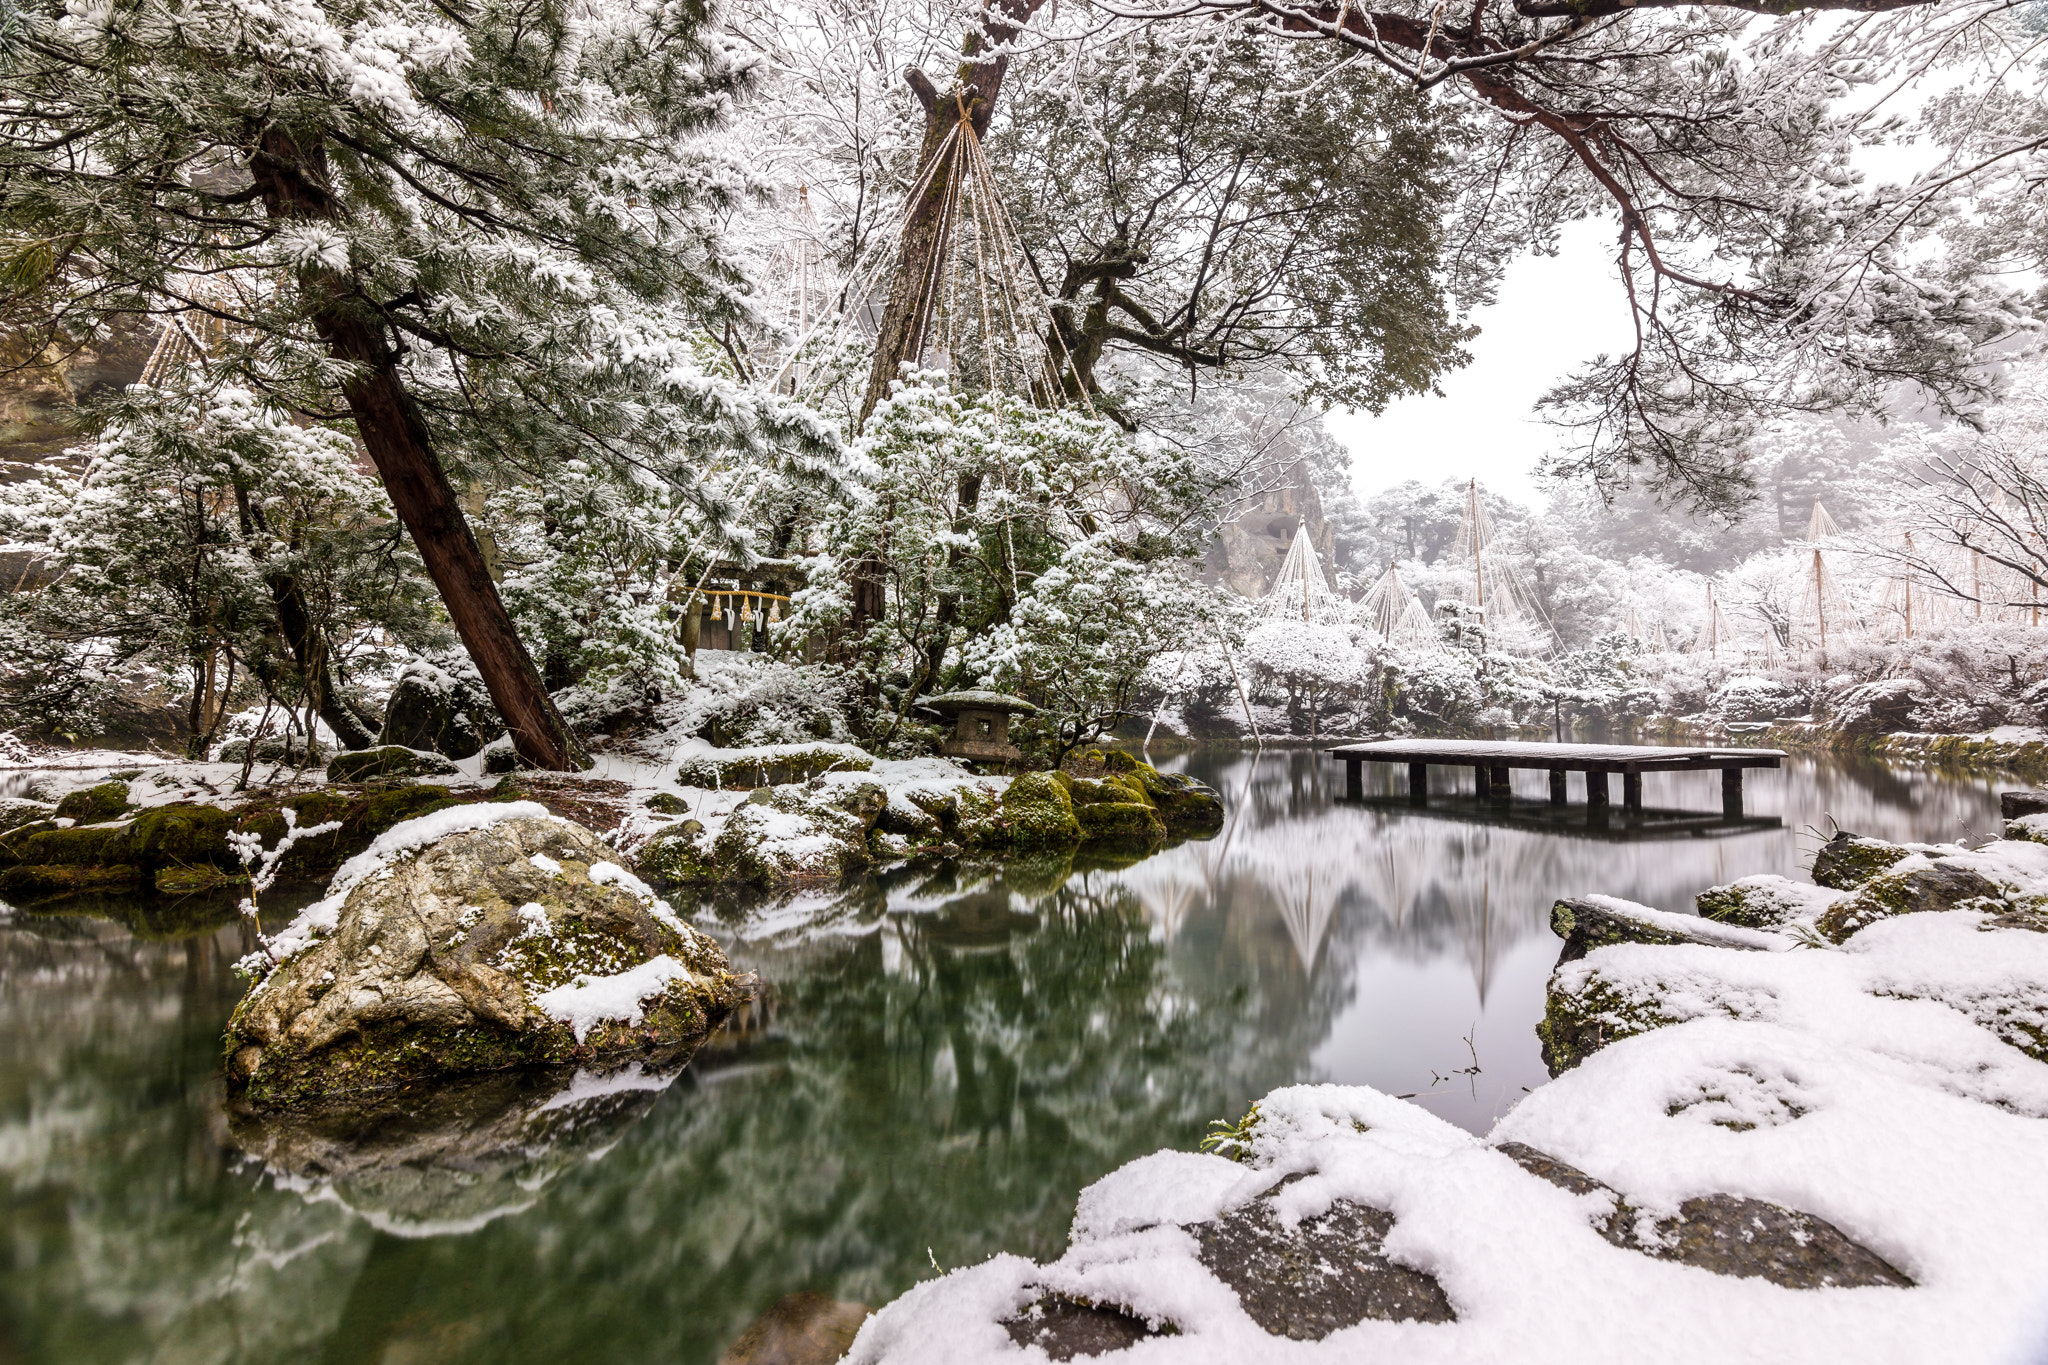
939	1063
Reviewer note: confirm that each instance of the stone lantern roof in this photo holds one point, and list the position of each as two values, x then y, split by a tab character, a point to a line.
954	703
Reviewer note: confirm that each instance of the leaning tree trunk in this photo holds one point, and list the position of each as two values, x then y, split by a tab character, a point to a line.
293	184
976	84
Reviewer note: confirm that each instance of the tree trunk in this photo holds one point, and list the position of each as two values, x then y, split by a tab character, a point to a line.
976	84
292	180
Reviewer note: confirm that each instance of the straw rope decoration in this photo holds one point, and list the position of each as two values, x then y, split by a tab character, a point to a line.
982	314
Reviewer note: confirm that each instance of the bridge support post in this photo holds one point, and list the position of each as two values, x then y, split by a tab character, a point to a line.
1354	780
1596	790
1632	791
1497	786
1731	793
1557	797
1418	784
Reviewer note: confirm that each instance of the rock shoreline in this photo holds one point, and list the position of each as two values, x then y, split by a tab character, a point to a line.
835	816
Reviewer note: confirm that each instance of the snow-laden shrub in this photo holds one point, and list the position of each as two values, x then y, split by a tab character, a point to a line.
751	699
1750	697
1880	707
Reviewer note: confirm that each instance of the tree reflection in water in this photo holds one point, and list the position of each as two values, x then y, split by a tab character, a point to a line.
940	1060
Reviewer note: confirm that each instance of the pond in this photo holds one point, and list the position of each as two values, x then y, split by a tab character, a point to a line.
938	1062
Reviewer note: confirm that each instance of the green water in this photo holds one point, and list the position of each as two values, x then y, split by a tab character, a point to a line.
938	1063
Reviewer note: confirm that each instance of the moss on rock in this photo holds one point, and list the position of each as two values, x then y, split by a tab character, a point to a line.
436	970
36	881
1185	805
1121	822
386	763
679	856
1913	886
768	765
1847	861
15	813
1036	811
95	805
1765	902
1581	1018
82	846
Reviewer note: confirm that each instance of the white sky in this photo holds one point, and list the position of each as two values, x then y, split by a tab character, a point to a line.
1553	313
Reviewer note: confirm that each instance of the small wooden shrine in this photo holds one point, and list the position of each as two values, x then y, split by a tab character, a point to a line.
982	724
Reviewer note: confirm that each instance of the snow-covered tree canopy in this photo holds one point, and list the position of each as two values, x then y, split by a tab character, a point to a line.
1764	273
1255	206
481	232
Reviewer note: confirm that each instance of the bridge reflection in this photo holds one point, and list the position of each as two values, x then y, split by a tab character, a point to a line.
1606	823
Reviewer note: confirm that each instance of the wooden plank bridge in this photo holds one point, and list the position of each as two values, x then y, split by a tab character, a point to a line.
1492	760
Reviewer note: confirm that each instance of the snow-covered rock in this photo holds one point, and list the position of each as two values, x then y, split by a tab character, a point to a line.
388	762
1765	902
477	938
434	709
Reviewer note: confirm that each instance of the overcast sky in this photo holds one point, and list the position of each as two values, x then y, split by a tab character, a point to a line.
1553	313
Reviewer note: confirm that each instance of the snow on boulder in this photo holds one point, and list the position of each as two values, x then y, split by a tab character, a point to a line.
766	765
433	709
1765	902
387	762
474	939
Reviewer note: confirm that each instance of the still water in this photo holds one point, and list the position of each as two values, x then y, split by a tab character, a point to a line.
938	1063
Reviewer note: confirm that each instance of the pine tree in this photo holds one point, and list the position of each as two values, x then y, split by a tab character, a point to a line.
478	233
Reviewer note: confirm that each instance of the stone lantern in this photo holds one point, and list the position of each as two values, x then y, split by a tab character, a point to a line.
982	724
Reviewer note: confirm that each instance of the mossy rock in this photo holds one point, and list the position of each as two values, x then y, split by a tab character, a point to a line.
1120	822
39	881
14	841
95	805
668	803
387	762
758	845
772	766
2031	828
1096	791
443	967
82	846
294	751
1847	861
1765	902
1911	888
363	817
1037	812
975	817
183	835
1578	1022
1184	804
15	813
678	856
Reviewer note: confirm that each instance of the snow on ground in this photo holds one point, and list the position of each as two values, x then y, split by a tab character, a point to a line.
1862	1085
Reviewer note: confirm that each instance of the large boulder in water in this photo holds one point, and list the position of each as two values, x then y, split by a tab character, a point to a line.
478	938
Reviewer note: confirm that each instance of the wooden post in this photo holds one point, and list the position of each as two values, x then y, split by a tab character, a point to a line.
1480	782
1354	781
1731	793
1418	784
1557	794
1497	786
1632	791
1596	789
